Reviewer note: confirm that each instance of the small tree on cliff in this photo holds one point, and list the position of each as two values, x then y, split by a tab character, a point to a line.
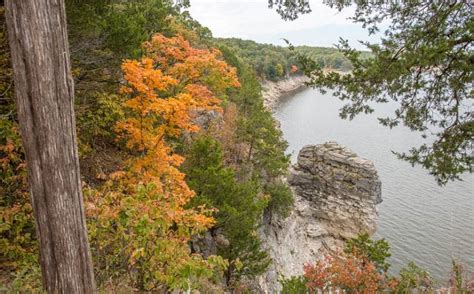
239	208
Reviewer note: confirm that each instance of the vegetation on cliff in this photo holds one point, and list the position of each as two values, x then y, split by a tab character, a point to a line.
362	267
144	107
175	143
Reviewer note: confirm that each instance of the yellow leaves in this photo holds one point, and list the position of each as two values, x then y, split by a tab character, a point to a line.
238	264
137	253
144	207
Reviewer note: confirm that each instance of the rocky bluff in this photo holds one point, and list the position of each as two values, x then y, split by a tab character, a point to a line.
336	193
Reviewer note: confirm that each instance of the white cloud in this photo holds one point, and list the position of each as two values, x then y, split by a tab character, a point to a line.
252	19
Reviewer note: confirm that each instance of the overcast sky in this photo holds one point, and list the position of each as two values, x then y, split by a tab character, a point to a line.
252	19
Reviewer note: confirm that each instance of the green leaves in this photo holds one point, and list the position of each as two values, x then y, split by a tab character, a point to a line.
412	277
294	285
239	207
290	9
425	65
376	251
281	198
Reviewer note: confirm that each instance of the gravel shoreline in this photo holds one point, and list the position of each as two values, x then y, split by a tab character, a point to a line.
273	92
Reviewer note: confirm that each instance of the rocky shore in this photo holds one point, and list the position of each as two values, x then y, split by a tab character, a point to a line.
274	91
336	193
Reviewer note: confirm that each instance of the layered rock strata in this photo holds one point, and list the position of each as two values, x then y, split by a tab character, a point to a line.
336	193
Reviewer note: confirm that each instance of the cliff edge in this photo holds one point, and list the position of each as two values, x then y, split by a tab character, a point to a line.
336	193
272	92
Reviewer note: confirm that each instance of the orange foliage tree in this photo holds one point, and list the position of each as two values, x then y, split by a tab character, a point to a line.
165	90
349	272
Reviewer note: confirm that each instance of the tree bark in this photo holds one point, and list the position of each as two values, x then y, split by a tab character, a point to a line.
45	102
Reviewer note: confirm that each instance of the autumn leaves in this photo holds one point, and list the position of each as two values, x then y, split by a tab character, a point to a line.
143	210
173	82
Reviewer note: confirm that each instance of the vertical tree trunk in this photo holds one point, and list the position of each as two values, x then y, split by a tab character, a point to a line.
44	96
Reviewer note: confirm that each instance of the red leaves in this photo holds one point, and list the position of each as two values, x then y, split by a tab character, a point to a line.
347	272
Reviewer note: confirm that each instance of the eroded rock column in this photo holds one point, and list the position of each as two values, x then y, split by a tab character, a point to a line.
336	193
343	188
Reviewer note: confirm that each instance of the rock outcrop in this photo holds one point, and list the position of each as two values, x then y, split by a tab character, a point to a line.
274	91
342	186
335	197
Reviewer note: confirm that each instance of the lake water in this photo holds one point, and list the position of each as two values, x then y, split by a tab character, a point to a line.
422	221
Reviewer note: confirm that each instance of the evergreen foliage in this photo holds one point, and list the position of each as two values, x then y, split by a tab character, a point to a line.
281	198
376	251
265	156
424	64
239	207
294	285
413	277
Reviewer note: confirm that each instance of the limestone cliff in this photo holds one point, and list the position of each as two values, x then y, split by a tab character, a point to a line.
274	91
335	197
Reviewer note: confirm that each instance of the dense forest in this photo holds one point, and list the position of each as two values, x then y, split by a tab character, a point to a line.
175	148
221	154
275	62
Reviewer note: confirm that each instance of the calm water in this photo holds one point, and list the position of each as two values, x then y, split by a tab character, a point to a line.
423	222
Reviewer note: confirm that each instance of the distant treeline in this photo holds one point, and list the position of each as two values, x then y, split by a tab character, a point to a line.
275	62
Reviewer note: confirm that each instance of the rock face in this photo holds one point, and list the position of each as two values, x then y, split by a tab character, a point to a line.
335	197
344	187
274	91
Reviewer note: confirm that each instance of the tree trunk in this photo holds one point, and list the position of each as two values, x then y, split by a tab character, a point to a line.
45	95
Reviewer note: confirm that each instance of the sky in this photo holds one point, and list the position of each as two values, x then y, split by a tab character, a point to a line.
252	19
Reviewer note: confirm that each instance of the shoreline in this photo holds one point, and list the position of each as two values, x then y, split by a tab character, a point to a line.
274	92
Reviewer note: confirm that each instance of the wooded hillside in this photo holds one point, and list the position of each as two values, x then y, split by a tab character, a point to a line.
175	145
276	62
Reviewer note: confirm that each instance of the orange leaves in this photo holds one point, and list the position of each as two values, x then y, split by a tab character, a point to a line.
191	65
17	232
167	51
318	275
202	97
164	90
347	272
173	82
167	87
142	77
293	69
